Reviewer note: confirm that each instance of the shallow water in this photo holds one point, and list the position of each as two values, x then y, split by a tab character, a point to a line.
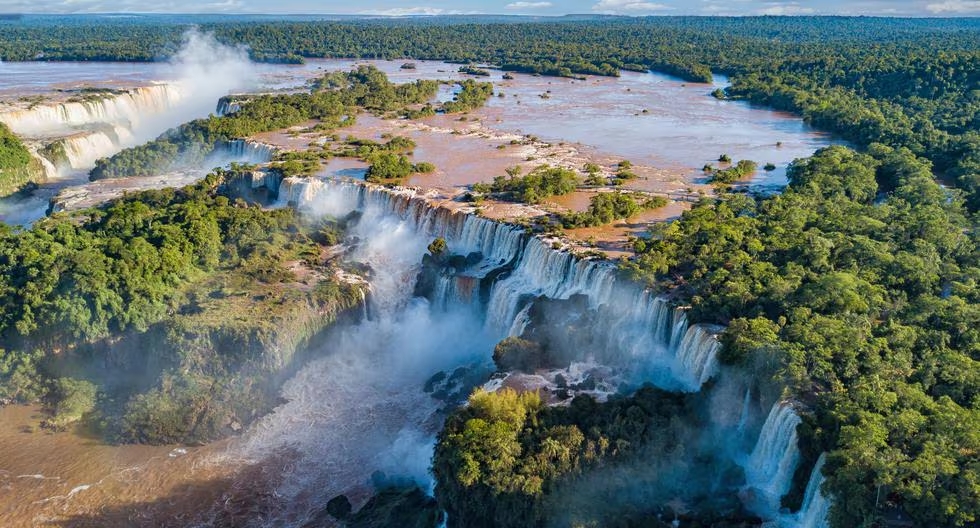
51	478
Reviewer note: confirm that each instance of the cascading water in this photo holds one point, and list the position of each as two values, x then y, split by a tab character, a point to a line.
743	418
241	151
769	469
353	413
816	505
673	356
82	149
127	109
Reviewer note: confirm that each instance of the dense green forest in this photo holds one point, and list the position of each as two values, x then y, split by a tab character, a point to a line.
856	288
164	316
854	291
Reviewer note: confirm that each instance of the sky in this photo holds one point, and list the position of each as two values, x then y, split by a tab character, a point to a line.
515	7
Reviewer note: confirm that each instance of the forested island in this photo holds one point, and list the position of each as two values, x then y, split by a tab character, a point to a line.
853	292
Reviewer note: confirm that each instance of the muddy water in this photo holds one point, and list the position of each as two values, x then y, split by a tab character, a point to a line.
64	478
657	120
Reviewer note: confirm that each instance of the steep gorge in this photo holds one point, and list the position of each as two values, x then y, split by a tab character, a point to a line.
495	283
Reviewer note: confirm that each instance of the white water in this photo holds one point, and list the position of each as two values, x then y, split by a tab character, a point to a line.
240	151
769	469
360	408
816	506
641	328
84	148
128	109
201	72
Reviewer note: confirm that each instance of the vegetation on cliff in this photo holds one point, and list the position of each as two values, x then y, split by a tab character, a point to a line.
17	167
857	288
542	182
180	306
508	460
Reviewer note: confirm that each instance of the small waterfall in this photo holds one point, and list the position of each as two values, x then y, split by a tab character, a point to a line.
520	322
696	353
127	109
743	418
543	271
241	151
227	106
769	469
50	171
816	505
81	150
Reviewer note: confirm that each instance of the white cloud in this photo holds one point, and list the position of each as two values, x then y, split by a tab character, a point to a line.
528	5
785	9
407	11
955	6
613	7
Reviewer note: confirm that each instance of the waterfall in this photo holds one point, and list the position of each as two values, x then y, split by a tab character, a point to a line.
743	418
816	505
227	106
241	151
696	353
81	150
505	273
520	322
769	469
639	327
127	108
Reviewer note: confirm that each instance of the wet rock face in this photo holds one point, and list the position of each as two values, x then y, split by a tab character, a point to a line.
564	328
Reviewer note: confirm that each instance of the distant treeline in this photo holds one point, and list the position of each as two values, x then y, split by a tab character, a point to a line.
911	83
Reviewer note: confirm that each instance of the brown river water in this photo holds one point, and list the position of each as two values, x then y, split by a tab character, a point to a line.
666	127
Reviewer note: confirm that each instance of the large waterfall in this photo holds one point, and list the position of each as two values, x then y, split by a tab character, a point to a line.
83	148
357	417
127	108
639	328
241	151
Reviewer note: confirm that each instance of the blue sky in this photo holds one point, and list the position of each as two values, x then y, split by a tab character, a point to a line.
525	7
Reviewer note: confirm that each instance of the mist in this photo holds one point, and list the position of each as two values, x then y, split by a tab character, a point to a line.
203	70
196	77
361	408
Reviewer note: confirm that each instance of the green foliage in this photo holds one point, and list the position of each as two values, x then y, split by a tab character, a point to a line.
541	183
861	303
437	247
333	99
607	207
423	167
20	380
472	95
387	166
514	353
499	459
17	167
72	399
173	278
473	70
732	174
